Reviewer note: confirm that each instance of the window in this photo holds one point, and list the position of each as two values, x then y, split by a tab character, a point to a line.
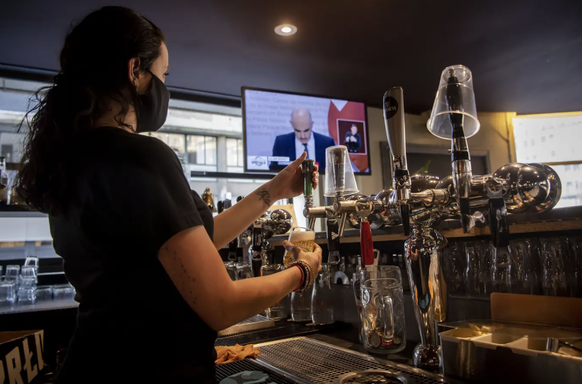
560	151
205	137
234	155
201	150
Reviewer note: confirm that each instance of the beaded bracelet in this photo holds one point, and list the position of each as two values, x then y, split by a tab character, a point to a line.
307	272
302	276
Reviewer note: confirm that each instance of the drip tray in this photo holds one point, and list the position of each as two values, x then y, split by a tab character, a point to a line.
252	324
312	361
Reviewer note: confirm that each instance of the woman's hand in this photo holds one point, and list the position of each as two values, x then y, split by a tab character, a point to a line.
289	182
311	258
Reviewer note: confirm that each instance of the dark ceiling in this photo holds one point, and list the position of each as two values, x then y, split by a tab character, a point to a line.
526	55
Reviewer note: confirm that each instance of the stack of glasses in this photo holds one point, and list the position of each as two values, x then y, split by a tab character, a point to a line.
549	266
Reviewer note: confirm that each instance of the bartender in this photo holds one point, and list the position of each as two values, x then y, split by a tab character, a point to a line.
138	246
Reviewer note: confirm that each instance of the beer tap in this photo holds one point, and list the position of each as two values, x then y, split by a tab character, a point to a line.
396	132
460	156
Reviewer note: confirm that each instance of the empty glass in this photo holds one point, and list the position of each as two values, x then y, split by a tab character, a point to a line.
383	314
553	256
301	305
576	260
321	298
32	260
484	251
526	273
12	272
339	174
473	282
454	266
63	292
27	285
7	293
277	311
502	270
44	292
456	78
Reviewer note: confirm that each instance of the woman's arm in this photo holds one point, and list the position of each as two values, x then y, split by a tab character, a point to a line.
196	269
287	184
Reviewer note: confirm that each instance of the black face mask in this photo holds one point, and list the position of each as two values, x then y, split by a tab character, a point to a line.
152	107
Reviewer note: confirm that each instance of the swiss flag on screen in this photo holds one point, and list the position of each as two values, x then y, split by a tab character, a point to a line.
348	111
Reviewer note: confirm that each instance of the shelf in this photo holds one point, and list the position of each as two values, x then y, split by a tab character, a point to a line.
49	305
560	219
22	214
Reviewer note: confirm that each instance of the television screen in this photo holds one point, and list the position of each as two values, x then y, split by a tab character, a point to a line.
279	126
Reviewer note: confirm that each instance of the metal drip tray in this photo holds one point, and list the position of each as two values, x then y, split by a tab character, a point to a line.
312	361
251	324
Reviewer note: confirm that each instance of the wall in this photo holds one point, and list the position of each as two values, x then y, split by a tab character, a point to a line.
494	137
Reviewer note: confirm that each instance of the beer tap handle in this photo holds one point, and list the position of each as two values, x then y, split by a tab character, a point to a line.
498	224
396	133
366	243
405	214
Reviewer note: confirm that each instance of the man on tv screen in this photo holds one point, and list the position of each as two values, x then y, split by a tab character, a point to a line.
302	139
353	140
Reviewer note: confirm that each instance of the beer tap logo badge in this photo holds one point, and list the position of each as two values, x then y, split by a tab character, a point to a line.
390	107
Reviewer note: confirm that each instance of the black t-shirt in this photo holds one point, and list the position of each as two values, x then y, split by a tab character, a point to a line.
128	198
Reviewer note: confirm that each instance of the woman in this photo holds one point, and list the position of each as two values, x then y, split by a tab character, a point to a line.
138	246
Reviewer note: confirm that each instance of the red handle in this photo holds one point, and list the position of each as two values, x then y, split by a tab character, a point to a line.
366	243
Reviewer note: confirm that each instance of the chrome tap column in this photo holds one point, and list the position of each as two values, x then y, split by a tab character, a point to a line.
422	263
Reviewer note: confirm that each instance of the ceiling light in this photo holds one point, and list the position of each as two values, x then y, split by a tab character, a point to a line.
285	29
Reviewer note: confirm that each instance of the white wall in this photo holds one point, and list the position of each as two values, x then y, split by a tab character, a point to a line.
495	137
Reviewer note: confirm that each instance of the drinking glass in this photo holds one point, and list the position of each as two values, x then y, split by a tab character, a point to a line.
554	260
484	250
321	298
7	293
44	292
63	292
576	259
301	305
526	273
473	282
277	311
454	267
302	238
502	270
12	272
383	314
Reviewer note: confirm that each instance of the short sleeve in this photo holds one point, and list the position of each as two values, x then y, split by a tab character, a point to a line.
143	202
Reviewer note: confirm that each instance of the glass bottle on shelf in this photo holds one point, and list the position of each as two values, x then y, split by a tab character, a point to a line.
321	298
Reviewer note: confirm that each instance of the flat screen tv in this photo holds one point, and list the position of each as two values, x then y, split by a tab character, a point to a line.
278	126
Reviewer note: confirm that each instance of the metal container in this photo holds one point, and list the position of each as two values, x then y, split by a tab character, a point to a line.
509	354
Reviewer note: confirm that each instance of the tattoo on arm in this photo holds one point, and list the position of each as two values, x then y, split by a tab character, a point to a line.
264	195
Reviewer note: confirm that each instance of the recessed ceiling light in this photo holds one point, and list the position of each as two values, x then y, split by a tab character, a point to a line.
285	29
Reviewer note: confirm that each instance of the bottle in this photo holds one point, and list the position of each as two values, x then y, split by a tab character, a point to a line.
322	299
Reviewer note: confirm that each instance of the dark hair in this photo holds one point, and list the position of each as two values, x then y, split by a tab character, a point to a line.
93	72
